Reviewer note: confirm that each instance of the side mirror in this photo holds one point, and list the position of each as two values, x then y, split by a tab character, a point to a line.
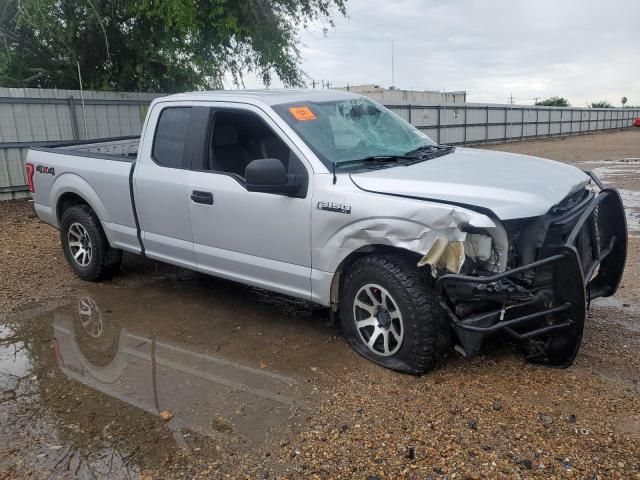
268	175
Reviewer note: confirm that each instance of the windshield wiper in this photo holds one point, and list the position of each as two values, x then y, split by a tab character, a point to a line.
431	149
375	160
409	158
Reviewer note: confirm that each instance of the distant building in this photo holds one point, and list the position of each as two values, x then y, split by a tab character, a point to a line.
394	96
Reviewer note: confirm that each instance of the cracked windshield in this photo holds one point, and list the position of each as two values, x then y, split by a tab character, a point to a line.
343	131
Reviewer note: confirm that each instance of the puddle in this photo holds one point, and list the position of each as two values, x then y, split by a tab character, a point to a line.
623	174
232	372
628	313
14	364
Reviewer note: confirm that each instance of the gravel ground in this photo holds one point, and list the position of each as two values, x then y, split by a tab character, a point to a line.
33	266
600	146
490	417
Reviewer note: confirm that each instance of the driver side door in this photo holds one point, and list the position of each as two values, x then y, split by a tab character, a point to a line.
261	239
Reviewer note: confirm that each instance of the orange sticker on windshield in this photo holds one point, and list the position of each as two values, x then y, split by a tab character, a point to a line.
302	114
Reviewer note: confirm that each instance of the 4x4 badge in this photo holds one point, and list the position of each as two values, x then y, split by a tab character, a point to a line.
43	169
334	207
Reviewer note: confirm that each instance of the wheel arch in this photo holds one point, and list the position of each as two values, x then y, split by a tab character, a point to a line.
70	190
336	281
69	199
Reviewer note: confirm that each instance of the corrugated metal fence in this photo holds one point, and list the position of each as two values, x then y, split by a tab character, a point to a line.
476	123
36	117
30	116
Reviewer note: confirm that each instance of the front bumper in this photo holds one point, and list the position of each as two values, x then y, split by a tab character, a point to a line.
547	313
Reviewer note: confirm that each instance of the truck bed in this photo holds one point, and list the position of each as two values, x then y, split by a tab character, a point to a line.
99	171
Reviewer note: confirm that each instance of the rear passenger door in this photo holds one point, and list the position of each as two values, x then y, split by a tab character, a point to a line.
257	238
161	183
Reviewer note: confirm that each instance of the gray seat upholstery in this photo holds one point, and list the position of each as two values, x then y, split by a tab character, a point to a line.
229	155
273	147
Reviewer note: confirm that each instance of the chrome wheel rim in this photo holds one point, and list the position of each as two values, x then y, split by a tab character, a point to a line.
90	316
80	244
378	320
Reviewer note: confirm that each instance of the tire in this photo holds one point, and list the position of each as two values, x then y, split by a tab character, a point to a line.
418	331
113	261
81	231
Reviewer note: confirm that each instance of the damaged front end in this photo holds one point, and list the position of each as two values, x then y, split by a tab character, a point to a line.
534	279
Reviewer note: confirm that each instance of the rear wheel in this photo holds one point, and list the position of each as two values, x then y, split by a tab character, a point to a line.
390	316
85	245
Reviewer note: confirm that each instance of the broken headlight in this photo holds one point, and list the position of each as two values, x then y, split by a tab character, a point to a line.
451	255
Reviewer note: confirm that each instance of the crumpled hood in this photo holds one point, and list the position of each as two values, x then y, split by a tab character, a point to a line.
511	185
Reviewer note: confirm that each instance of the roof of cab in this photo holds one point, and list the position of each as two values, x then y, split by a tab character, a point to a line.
269	97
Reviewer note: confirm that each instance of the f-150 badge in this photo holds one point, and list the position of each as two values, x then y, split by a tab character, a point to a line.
334	207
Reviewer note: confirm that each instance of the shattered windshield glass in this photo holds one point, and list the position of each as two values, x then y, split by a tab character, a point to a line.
348	130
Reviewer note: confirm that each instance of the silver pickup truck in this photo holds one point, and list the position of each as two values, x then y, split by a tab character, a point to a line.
330	197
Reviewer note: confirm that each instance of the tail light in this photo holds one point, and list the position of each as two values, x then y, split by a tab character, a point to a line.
30	170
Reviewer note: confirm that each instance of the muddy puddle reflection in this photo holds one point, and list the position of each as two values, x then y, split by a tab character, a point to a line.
193	376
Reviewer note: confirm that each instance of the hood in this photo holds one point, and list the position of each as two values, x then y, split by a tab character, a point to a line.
511	185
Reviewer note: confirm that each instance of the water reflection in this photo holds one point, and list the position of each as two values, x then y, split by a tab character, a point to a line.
197	392
193	375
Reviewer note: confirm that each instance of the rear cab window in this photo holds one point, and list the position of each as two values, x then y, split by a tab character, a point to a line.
170	137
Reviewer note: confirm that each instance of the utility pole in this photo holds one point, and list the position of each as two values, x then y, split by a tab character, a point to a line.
393	79
313	82
511	99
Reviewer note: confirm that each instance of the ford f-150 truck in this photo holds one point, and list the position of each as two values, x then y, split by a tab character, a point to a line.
330	197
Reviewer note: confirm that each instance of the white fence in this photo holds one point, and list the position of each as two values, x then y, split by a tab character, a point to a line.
476	123
41	117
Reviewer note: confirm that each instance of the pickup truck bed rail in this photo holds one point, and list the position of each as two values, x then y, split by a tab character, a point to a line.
114	148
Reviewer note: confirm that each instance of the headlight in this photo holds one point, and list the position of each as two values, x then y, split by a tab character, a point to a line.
446	254
479	247
451	255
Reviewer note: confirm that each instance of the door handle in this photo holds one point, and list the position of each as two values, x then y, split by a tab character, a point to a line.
206	198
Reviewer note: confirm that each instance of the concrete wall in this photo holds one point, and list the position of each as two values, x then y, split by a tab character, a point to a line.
408	97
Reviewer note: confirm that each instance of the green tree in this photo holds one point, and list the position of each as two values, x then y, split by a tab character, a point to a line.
554	102
154	45
601	104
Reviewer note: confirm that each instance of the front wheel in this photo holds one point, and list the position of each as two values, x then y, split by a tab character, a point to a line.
390	316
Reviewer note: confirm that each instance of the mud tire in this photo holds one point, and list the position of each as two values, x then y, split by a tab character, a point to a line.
104	259
427	332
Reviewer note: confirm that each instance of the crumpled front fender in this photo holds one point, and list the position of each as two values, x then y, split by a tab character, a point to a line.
415	226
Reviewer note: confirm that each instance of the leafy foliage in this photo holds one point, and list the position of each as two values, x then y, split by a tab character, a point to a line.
554	102
601	104
153	45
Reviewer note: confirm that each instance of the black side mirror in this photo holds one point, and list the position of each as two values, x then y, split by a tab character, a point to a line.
268	175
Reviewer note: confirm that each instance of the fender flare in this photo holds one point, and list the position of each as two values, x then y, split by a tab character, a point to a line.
69	182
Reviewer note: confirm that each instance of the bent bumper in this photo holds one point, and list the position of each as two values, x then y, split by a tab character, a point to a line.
548	315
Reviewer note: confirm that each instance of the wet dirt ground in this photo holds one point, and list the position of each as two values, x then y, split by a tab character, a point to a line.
163	373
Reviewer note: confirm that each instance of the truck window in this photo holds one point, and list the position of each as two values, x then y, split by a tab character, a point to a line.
240	137
171	133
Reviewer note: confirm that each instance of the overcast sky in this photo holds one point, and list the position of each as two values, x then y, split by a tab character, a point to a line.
584	50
